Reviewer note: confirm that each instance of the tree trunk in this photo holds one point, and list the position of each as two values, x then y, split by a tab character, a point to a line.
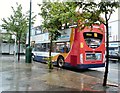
19	50
9	48
50	66
107	53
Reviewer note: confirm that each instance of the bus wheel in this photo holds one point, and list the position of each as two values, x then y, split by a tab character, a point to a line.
60	61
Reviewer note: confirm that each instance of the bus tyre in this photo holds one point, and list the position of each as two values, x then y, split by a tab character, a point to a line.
60	61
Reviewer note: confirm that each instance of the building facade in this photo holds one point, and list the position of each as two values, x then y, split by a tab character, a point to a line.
114	33
5	46
119	28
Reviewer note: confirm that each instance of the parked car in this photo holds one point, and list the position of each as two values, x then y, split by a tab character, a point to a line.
114	57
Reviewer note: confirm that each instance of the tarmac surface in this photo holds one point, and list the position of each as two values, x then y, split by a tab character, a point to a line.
21	76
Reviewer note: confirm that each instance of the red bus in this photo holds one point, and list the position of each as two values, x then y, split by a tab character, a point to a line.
83	49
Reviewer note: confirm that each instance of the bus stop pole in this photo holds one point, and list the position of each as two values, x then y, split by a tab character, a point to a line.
29	49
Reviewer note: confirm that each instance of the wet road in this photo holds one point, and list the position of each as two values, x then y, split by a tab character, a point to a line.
113	75
36	77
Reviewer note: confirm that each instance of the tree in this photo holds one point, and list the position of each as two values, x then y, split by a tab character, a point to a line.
91	14
55	14
107	8
17	24
94	12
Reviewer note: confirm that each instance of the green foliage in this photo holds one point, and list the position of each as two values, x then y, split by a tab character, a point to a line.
55	14
50	65
48	59
7	38
92	11
17	23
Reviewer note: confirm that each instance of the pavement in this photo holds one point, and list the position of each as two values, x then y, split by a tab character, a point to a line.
21	76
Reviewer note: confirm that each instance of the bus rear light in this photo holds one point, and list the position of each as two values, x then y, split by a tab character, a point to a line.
81	45
104	59
81	58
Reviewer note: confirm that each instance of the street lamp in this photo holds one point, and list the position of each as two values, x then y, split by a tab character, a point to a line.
30	23
29	49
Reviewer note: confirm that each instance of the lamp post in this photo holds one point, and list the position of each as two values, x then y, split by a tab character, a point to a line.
29	49
30	23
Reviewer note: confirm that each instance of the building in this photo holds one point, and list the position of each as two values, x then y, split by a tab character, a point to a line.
5	46
119	28
114	33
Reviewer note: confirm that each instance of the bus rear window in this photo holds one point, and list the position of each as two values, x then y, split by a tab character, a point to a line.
93	39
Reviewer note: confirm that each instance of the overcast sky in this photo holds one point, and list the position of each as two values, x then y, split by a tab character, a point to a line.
6	11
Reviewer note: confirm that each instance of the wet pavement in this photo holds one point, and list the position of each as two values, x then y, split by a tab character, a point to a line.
21	76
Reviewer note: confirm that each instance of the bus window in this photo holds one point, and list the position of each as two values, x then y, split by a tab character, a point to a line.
59	47
63	47
36	47
93	40
41	47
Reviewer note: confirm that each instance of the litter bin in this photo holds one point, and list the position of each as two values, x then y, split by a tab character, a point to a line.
28	54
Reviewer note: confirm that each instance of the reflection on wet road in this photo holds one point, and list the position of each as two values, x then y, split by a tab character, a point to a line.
113	72
36	77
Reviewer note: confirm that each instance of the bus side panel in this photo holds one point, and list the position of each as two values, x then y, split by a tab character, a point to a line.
54	58
73	55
